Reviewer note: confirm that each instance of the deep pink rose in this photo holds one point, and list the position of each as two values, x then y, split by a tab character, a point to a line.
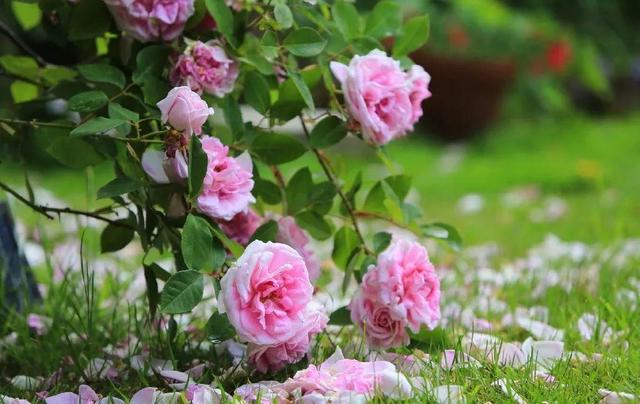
380	96
242	226
275	357
205	67
151	20
226	189
339	375
184	110
290	233
381	329
266	292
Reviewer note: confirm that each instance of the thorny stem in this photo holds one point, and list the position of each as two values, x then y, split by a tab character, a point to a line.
324	163
48	210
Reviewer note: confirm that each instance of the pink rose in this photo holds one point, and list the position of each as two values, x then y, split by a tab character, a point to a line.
227	185
242	226
339	375
151	20
381	329
164	169
269	392
205	67
184	110
275	357
266	292
401	290
290	233
380	96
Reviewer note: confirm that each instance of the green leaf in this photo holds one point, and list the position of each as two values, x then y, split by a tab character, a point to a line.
274	148
256	92
298	191
347	19
89	19
88	101
269	45
198	162
303	89
283	15
341	316
328	132
154	89
74	153
223	16
431	341
117	111
384	20
413	35
381	241
315	224
118	186
267	191
352	262
152	289
321	198
150	62
219	328
401	185
197	245
28	15
22	91
103	73
375	199
182	292
21	66
266	232
304	42
366	44
114	237
443	231
53	75
352	192
96	126
233	116
290	101
344	242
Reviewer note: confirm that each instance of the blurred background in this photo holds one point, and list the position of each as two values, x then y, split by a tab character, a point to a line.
533	127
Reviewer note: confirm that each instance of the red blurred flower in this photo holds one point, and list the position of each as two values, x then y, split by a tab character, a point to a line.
457	36
558	55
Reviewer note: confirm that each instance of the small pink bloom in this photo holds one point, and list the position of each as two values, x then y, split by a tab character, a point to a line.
203	394
39	324
242	226
152	20
227	185
268	391
382	330
380	96
290	233
266	292
184	110
275	357
205	67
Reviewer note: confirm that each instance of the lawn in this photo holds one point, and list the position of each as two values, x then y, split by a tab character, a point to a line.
576	178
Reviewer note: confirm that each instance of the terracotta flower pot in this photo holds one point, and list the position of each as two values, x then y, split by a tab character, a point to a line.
467	93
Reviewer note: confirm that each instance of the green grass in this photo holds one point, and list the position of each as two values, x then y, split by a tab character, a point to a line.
593	165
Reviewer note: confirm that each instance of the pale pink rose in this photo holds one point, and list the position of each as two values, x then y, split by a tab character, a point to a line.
151	20
242	226
272	358
380	96
290	233
265	293
227	185
205	67
339	375
381	329
204	394
405	281
184	110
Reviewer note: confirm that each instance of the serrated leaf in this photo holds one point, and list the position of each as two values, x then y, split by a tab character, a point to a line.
103	73
96	126
274	148
256	92
298	191
182	292
315	224
381	241
198	162
303	90
118	186
341	316
88	101
328	132
199	250
219	328
304	42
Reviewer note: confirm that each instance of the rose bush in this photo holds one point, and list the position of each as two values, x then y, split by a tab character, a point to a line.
140	91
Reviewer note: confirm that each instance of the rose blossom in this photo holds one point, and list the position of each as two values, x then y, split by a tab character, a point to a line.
151	20
266	292
290	233
402	289
205	67
227	185
275	357
380	96
184	110
241	227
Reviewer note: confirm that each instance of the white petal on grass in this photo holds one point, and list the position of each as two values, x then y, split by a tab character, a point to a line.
615	397
449	394
510	392
540	330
